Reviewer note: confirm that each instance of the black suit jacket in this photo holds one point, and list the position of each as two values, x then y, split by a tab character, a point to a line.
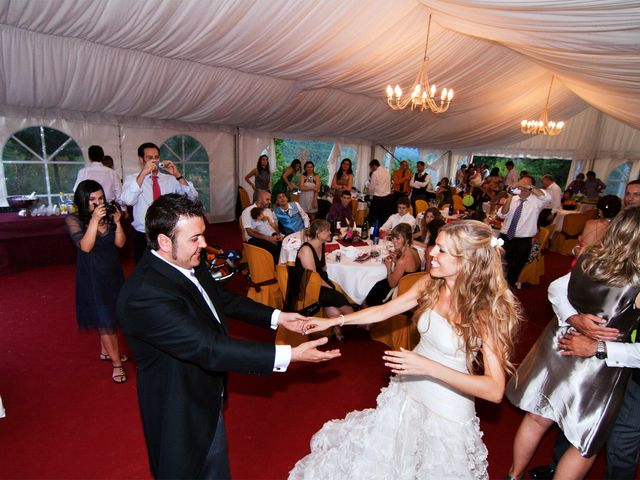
183	356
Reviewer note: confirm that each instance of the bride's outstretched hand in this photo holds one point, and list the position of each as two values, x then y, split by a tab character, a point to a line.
406	362
316	324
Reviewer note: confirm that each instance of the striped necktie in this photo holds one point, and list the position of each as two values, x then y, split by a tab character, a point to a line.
511	232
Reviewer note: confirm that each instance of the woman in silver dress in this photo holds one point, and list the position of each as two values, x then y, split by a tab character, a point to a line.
581	395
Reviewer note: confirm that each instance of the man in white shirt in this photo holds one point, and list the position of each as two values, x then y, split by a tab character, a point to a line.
142	189
106	177
403	216
380	192
173	315
520	213
272	242
553	204
512	176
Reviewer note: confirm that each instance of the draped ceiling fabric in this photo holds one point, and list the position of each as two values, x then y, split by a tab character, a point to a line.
320	68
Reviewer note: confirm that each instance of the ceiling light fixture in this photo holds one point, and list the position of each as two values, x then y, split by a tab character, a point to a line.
542	126
423	96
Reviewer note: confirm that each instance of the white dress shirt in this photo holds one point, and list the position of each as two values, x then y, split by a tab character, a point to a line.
511	178
247	220
141	197
105	176
618	354
283	352
528	223
555	197
379	183
397	219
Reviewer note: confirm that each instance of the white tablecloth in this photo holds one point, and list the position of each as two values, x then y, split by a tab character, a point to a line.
355	278
559	218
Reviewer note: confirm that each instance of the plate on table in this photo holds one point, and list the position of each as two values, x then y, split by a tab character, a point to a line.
362	258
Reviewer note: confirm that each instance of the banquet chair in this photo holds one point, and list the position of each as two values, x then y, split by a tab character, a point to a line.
245	201
532	272
591	214
310	288
399	330
421	206
263	286
564	241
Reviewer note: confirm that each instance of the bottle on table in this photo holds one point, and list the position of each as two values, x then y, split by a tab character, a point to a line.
365	230
375	234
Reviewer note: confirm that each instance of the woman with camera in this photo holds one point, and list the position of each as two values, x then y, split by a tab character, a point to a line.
96	232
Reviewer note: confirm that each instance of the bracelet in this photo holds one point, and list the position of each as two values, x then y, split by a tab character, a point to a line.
180	177
341	320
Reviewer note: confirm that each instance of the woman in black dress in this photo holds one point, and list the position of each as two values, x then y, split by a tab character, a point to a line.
311	257
99	276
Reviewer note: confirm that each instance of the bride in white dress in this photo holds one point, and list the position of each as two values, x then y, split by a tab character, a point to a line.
425	425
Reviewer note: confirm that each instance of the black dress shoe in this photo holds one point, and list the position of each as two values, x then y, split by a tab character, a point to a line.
542	472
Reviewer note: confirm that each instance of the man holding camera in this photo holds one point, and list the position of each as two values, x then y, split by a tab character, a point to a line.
520	213
140	190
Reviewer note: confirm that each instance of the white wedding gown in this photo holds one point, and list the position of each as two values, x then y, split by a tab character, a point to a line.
420	429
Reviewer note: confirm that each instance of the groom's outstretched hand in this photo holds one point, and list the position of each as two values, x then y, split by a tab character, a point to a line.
308	352
292	321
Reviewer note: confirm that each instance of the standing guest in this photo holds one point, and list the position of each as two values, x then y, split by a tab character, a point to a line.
342	179
568	203
520	213
380	193
461	176
311	257
289	179
107	177
141	189
577	186
403	216
581	395
271	240
593	186
632	194
290	215
594	230
341	212
419	185
484	171
96	234
424	425
401	182
309	188
494	181
404	259
554	203
107	161
173	314
512	176
261	176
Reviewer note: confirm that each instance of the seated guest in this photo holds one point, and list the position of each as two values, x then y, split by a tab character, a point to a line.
568	203
429	226
341	211
254	237
608	207
403	216
311	257
263	224
403	260
290	215
443	192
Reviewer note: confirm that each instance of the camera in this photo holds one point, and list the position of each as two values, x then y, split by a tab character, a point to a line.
161	164
110	209
514	190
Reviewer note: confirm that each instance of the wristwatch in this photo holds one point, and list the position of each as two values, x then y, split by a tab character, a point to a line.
601	350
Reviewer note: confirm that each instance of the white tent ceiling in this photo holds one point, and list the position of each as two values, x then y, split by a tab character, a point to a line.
319	68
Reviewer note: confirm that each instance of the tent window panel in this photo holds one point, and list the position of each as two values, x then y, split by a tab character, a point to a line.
617	180
41	159
192	160
317	152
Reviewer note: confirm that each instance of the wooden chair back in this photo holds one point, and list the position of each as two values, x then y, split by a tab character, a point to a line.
421	206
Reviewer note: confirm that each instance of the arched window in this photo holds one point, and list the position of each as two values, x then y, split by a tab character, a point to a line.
192	161
617	180
42	160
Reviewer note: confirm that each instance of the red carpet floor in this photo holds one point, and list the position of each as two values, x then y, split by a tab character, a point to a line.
67	419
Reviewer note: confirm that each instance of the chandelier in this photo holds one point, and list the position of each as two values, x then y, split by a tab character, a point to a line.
542	126
423	96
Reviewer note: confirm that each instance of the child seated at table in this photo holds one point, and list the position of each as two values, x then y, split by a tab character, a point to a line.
403	216
263	224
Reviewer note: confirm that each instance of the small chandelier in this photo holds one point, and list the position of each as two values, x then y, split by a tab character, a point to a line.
423	95
542	126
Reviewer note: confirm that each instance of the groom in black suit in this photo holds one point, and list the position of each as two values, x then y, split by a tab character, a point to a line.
173	315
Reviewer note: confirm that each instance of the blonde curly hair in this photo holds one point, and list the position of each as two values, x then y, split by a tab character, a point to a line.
482	305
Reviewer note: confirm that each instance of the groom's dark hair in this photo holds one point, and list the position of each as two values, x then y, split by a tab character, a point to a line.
163	215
